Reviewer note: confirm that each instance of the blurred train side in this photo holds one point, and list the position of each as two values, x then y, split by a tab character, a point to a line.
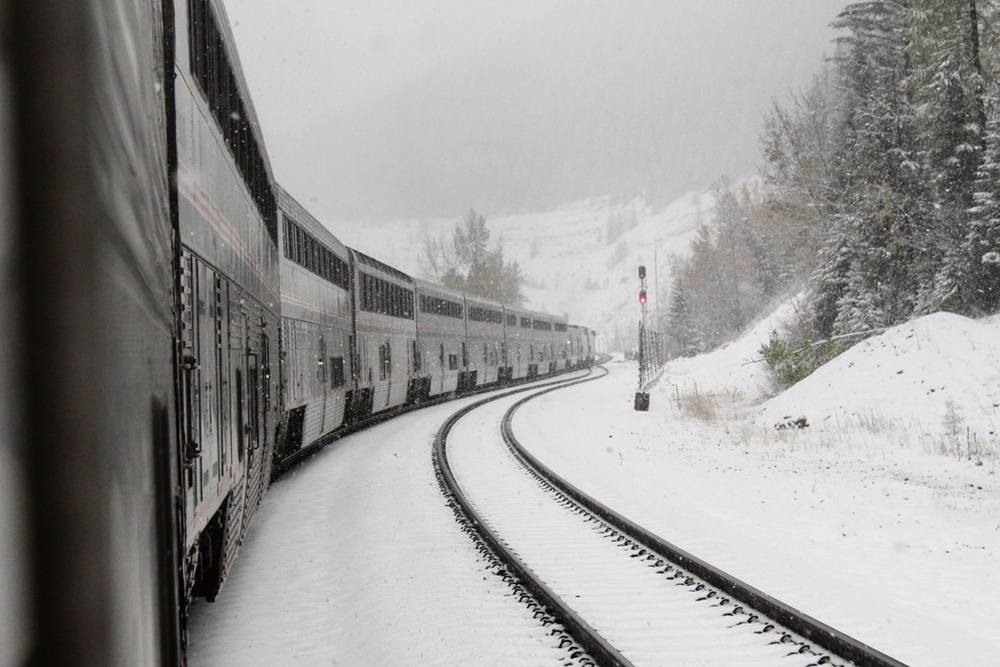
88	334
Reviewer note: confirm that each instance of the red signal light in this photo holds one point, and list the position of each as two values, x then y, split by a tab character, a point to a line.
642	273
642	297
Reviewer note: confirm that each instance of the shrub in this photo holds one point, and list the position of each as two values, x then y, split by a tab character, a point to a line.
793	360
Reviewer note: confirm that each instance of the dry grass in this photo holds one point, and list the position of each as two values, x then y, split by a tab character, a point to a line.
870	434
704	407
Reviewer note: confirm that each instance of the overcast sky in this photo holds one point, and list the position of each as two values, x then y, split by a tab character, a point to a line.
407	108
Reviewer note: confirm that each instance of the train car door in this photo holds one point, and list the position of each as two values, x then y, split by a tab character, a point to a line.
251	417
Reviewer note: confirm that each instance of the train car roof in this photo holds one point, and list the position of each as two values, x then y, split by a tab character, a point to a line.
363	259
427	286
290	207
536	315
482	301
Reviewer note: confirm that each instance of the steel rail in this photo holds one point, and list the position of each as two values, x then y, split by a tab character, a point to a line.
593	643
809	628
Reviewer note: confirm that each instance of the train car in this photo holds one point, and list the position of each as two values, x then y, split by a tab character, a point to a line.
562	346
228	395
527	343
590	346
543	348
385	336
574	342
441	340
484	327
87	539
316	327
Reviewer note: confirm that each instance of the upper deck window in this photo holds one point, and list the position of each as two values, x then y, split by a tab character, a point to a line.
305	250
211	68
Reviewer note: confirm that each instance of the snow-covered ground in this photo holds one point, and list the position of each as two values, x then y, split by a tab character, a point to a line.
874	519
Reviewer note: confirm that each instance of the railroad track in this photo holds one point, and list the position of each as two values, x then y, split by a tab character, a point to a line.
618	594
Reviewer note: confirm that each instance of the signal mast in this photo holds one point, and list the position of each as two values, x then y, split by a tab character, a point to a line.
641	397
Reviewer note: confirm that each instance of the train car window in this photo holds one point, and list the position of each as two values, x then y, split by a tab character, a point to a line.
214	74
512	320
526	322
453	362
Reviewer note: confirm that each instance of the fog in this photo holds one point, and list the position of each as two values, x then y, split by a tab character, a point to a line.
374	109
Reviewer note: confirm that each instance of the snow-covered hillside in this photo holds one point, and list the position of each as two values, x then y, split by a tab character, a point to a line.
931	385
570	267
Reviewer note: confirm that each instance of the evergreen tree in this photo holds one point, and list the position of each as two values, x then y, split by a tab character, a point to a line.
682	336
947	89
975	272
876	170
479	268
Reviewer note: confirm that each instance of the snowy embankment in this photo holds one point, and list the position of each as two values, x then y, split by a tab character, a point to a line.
933	382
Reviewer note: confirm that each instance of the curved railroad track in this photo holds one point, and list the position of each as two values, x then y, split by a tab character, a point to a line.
619	594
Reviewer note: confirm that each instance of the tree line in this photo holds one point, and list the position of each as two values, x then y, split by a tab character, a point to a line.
879	194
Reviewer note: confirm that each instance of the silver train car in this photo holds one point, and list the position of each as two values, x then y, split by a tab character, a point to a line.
385	336
317	328
228	401
483	347
441	341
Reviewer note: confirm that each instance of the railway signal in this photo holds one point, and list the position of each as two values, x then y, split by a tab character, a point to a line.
641	397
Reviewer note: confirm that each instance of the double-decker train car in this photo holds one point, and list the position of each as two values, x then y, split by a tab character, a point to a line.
385	335
441	339
542	349
316	327
579	346
518	345
484	326
589	354
228	400
87	523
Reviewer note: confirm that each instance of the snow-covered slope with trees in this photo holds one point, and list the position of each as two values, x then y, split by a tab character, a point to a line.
579	260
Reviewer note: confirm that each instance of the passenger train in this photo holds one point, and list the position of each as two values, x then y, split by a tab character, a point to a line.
179	326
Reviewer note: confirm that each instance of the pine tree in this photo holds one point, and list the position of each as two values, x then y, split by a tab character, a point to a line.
977	278
877	173
479	268
947	88
682	336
